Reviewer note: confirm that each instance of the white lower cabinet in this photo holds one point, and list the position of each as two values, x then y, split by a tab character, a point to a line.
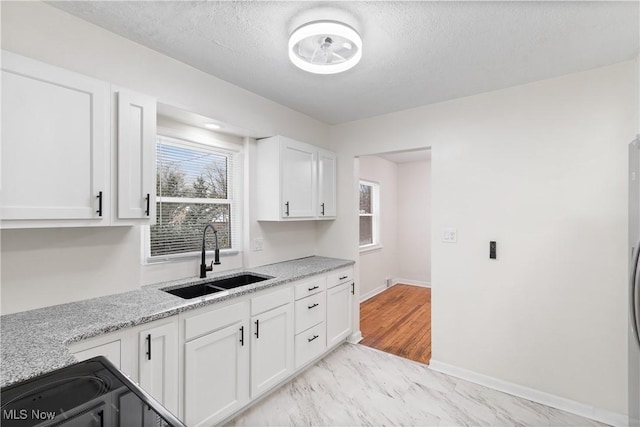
310	344
216	366
310	313
339	309
158	361
207	364
271	341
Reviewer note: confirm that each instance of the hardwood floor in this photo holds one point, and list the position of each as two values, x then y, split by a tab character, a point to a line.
398	321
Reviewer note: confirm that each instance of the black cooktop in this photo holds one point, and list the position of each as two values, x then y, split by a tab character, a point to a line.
93	393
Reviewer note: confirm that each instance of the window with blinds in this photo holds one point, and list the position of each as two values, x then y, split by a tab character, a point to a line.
194	187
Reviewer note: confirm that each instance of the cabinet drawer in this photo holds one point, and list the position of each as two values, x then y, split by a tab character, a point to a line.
310	287
213	320
340	276
310	344
270	301
310	311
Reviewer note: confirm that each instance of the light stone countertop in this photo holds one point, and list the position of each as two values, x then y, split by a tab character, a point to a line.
36	341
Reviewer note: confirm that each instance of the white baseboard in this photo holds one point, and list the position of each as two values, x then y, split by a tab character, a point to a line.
568	405
355	337
372	293
411	282
380	289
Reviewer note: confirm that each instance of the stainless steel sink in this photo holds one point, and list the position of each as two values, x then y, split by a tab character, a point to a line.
213	286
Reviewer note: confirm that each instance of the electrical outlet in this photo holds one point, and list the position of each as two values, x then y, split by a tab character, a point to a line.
257	244
449	235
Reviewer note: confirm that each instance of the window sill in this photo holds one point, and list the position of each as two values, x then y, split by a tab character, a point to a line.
370	248
185	257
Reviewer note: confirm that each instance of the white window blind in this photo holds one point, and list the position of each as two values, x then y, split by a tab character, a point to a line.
195	187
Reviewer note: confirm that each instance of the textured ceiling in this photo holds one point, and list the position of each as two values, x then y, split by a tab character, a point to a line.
414	53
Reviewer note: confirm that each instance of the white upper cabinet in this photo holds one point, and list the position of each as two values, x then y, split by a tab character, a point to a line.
135	142
55	145
298	171
72	157
326	184
295	181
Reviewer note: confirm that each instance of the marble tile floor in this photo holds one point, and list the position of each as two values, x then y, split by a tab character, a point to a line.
359	386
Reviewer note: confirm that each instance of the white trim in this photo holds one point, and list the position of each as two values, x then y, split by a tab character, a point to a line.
372	293
370	248
235	154
568	405
411	282
394	282
184	255
355	337
193	140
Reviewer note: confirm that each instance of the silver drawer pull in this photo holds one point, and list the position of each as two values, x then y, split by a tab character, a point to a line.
315	287
311	306
343	277
312	338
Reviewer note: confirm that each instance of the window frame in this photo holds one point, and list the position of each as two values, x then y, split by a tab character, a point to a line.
375	216
234	195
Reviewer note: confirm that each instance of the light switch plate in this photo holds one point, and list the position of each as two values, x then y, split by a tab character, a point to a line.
257	244
449	235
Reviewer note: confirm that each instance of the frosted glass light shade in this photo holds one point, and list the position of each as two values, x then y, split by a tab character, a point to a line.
325	47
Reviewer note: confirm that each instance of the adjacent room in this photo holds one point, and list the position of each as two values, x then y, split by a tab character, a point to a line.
395	253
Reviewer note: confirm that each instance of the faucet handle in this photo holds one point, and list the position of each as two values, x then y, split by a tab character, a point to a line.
209	267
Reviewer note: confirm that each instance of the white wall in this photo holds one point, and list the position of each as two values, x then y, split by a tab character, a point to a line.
46	267
378	264
541	169
414	223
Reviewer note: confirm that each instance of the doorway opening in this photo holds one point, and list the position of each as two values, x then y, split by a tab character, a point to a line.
395	252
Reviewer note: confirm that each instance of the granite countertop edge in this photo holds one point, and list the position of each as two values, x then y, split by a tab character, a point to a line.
35	342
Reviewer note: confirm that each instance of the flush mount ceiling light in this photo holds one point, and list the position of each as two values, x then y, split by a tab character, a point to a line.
325	47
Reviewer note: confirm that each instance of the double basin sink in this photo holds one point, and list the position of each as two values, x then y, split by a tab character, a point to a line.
218	285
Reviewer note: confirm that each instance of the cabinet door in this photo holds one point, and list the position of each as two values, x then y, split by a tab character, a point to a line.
216	375
55	140
136	139
158	364
298	169
271	348
326	184
338	313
